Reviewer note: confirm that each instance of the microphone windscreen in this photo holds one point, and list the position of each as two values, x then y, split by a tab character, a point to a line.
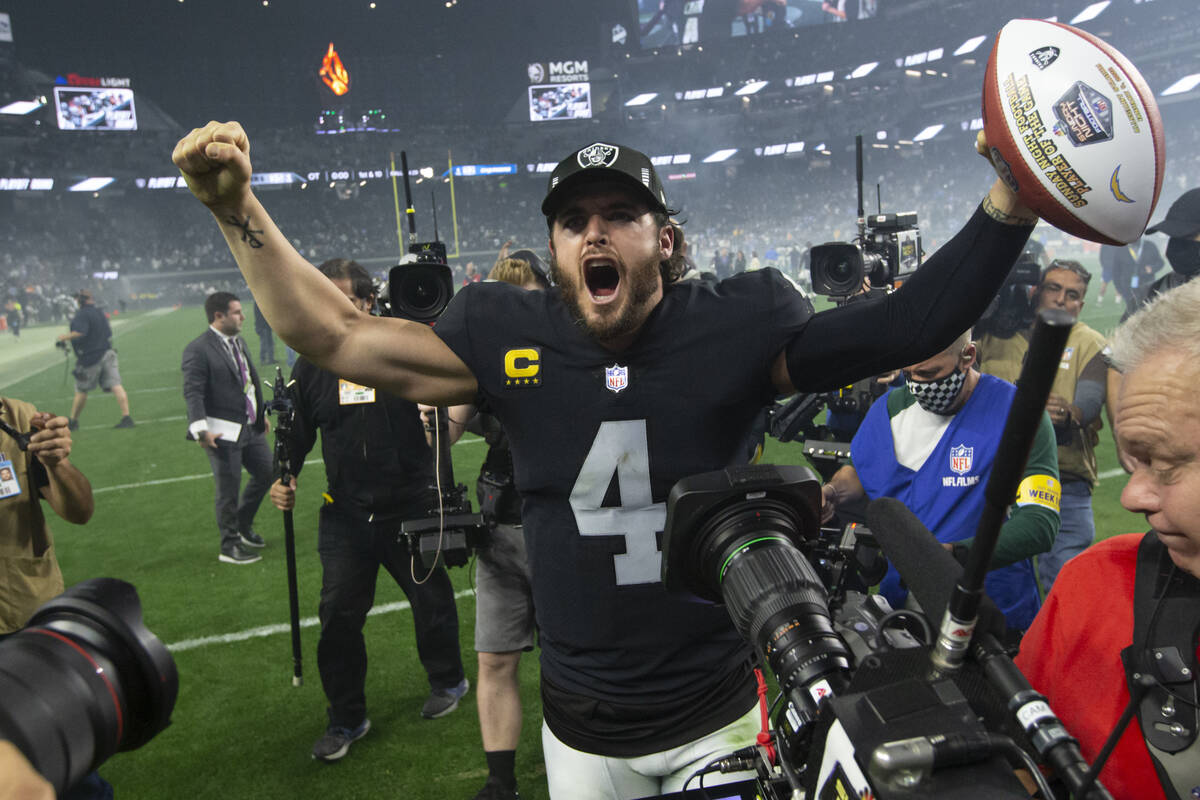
929	570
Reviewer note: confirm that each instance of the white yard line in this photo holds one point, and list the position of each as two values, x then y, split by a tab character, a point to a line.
271	630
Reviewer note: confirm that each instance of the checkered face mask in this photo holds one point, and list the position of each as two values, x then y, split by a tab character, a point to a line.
937	396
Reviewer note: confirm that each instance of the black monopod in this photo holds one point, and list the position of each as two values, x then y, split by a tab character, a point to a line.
285	412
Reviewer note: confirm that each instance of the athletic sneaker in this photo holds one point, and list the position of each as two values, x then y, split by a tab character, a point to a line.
252	539
442	701
126	422
236	554
336	741
495	790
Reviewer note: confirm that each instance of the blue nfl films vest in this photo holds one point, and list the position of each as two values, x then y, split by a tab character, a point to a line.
947	492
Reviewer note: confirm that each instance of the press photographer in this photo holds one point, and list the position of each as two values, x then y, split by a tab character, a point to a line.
56	706
1074	405
380	473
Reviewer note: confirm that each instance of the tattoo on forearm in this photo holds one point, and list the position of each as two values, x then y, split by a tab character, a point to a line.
998	214
248	234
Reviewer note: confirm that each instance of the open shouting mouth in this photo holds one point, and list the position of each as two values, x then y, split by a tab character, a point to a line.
602	278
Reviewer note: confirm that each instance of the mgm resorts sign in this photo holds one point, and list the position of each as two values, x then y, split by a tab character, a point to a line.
558	72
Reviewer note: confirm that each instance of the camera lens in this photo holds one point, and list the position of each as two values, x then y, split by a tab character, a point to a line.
419	291
83	680
775	598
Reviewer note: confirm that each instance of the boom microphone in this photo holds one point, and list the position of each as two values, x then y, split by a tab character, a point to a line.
929	570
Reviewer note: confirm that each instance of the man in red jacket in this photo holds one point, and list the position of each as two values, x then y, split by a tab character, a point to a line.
1126	612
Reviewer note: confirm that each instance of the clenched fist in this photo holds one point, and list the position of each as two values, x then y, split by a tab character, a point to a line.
215	163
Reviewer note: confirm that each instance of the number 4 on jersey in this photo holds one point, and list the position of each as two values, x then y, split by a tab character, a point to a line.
620	447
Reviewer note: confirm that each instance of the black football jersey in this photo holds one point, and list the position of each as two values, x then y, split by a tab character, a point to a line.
598	440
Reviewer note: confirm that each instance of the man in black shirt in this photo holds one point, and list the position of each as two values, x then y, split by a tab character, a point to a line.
95	360
380	473
612	386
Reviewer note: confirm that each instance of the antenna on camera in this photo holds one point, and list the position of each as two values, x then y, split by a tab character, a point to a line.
409	211
858	172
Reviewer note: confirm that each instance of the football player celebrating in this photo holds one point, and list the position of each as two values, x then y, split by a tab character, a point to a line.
612	386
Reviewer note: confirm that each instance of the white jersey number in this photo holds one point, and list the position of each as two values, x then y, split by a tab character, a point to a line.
620	447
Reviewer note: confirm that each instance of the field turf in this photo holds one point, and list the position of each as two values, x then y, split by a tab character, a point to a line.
240	729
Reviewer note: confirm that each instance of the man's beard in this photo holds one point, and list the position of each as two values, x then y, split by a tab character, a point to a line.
643	282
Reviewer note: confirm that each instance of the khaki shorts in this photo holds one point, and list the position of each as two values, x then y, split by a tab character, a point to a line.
103	373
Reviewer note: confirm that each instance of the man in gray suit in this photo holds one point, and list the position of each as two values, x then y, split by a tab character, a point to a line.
225	415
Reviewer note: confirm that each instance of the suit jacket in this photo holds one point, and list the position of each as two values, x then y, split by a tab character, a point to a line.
212	386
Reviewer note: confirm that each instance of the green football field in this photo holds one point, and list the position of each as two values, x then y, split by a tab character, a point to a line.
240	729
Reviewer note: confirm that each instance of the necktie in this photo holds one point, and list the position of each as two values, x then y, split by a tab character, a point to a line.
247	388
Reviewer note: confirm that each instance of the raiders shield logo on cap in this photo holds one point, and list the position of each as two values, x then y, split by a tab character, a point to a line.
598	155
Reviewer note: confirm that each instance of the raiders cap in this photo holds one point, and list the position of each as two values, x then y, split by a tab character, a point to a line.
604	162
1183	217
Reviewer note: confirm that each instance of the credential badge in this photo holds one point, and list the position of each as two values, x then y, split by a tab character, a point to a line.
961	458
616	378
598	155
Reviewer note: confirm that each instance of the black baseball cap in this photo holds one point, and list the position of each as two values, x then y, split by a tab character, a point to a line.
601	161
1183	217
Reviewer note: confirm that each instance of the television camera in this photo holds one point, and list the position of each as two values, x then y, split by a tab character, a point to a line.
419	288
870	706
1011	310
886	251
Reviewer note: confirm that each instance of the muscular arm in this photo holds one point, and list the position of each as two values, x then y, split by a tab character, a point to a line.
302	305
944	298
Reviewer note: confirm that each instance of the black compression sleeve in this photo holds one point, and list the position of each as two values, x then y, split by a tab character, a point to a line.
942	299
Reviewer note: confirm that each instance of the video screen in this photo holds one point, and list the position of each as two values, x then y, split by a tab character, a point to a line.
668	23
560	101
80	109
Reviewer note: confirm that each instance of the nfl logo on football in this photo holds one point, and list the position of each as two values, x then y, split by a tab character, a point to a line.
616	378
960	459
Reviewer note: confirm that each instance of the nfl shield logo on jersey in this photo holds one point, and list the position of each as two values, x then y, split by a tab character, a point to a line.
616	378
960	459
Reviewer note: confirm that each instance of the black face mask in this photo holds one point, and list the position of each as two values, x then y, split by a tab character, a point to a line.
1183	255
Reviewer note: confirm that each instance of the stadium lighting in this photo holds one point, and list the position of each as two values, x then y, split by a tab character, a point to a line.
929	132
806	80
863	70
641	99
720	155
880	135
91	185
751	88
970	45
912	73
1091	12
1184	84
22	107
824	77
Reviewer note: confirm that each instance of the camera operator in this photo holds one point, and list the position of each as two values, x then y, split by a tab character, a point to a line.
931	445
1073	405
95	360
504	618
1129	606
611	387
380	473
28	475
